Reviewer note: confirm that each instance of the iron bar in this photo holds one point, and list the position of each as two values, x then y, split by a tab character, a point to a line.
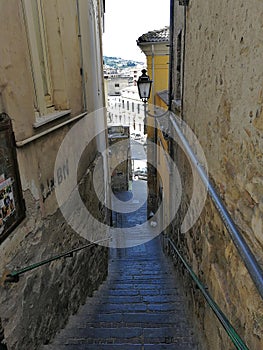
235	338
14	275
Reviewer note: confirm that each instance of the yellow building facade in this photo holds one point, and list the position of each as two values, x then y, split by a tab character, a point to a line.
155	45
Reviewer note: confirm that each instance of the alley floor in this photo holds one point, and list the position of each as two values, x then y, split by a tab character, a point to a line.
139	306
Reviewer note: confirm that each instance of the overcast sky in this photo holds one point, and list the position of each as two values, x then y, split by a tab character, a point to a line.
126	20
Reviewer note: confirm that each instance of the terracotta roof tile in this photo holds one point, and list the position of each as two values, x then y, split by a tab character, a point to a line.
161	35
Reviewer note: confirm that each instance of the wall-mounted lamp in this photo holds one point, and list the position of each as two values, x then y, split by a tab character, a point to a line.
144	84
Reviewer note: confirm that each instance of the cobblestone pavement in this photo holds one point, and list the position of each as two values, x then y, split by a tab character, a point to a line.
139	306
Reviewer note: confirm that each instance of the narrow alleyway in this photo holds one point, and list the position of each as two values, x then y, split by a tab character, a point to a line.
139	306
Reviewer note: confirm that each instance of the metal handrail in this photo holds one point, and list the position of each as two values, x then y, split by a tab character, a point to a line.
246	254
233	335
14	275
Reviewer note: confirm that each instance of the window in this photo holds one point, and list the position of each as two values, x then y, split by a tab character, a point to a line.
39	54
40	65
138	106
132	106
117	85
123	104
128	105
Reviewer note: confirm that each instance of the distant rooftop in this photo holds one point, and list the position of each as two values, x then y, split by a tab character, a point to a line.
161	35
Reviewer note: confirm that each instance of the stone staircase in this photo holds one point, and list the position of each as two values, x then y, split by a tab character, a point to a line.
139	306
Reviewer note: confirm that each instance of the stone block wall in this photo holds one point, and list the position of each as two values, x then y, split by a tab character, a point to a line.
214	258
223	78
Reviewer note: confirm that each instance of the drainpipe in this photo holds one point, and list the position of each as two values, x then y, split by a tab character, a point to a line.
81	60
171	58
153	86
183	68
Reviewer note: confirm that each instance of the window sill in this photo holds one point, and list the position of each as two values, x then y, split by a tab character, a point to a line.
45	119
50	130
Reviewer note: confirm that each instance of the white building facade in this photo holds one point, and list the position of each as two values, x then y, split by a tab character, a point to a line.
127	110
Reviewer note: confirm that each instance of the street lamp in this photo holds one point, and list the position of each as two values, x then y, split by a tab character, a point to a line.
144	84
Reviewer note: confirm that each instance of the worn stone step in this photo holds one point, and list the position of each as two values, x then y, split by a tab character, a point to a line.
142	280
139	271
142	276
126	292
167	335
144	319
137	286
138	298
82	323
136	307
126	346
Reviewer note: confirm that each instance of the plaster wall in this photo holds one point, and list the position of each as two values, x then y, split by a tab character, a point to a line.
77	80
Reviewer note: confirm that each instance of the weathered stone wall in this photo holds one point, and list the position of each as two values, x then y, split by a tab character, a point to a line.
223	105
36	307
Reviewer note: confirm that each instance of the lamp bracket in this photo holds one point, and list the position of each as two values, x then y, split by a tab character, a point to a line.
184	2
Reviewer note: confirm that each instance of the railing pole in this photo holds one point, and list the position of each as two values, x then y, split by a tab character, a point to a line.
233	335
14	275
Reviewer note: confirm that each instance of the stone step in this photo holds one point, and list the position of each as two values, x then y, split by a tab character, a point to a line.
132	335
133	318
137	286
116	321
163	280
136	275
133	292
126	346
104	298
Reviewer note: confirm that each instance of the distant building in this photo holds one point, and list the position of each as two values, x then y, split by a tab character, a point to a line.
127	110
116	84
117	79
119	157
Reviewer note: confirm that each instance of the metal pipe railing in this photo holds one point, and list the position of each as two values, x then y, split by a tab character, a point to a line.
14	275
246	254
233	335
